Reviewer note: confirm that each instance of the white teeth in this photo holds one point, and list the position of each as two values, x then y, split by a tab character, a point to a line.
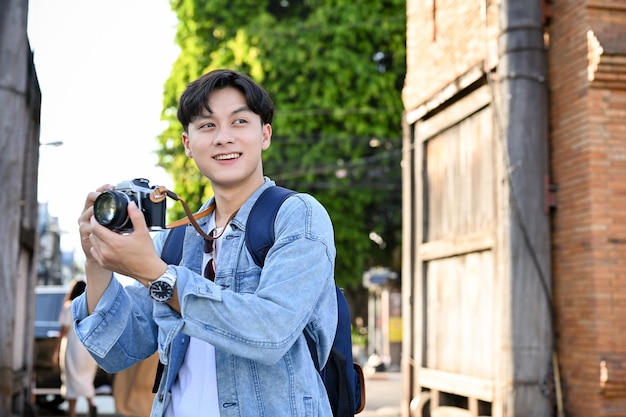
227	156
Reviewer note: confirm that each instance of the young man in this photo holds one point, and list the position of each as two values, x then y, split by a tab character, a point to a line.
234	346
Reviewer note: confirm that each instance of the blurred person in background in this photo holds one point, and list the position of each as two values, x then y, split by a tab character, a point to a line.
132	388
78	368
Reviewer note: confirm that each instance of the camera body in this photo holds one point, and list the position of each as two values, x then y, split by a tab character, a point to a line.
110	208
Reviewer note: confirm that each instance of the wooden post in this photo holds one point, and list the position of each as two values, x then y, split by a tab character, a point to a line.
20	100
527	334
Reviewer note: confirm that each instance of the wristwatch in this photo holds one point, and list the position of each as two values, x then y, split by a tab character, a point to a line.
162	289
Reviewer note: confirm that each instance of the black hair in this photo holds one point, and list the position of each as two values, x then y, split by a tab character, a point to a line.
195	98
77	289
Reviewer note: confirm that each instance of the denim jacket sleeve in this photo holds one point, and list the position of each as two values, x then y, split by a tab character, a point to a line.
107	331
120	332
259	314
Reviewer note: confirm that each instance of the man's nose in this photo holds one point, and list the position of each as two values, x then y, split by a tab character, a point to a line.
224	135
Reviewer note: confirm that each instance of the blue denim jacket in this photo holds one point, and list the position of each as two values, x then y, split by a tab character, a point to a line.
255	318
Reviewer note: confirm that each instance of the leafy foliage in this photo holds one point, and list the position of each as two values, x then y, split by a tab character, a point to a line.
335	69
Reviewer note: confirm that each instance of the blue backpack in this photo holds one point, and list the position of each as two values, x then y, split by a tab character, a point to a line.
343	378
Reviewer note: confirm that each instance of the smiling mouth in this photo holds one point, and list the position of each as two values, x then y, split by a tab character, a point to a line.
227	156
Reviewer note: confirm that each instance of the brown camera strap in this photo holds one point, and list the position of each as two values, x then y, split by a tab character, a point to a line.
160	193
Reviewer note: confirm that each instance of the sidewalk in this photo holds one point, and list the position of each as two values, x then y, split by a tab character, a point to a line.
383	394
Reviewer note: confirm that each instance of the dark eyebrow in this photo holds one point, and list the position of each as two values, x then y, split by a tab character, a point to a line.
241	110
209	114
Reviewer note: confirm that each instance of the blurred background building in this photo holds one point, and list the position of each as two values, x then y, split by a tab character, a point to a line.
51	265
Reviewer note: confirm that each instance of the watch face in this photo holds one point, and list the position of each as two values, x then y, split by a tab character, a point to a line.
161	291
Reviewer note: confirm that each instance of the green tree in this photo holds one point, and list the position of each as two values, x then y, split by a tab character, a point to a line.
335	70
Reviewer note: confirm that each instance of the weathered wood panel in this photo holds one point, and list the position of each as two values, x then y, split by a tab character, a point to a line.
458	236
459	179
455	178
459	317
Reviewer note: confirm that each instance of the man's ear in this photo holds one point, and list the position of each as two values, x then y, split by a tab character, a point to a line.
185	139
267	136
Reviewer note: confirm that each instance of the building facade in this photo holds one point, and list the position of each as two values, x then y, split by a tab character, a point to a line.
514	170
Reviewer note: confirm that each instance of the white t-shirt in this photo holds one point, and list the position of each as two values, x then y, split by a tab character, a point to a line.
195	390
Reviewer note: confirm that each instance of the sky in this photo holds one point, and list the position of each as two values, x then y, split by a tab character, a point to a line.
101	67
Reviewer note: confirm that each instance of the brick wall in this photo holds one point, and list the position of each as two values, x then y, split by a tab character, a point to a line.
587	59
445	38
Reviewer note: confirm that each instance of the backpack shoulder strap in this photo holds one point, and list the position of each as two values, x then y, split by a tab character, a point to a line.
172	251
260	236
260	225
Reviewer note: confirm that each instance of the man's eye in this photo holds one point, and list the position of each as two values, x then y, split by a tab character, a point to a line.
240	121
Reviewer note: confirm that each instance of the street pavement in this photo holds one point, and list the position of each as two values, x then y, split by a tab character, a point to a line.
383	393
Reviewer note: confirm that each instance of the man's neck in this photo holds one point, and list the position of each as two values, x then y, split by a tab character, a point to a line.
229	200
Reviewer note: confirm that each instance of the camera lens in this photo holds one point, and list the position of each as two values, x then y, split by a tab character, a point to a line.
110	210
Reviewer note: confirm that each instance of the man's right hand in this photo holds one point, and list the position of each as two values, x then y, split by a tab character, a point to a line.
98	278
84	221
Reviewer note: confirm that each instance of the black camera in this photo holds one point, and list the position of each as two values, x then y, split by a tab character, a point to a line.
110	208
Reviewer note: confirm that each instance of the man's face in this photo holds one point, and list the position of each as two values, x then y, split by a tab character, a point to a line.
227	143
